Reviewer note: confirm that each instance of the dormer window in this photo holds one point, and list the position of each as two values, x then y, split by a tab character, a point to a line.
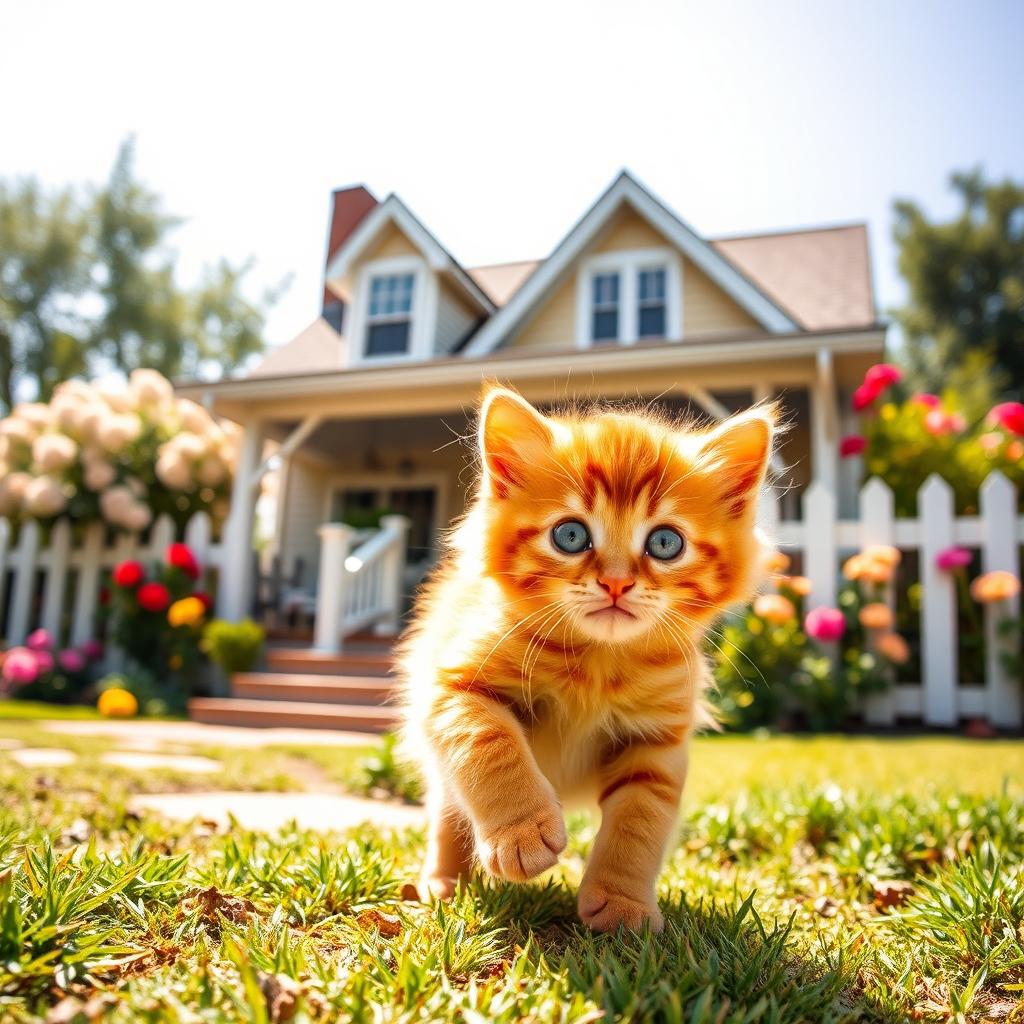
626	296
651	304
389	317
605	327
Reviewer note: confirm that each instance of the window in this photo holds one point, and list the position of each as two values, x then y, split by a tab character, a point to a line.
651	303
605	325
390	315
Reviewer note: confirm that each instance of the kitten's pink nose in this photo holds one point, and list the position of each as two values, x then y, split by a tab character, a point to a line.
616	585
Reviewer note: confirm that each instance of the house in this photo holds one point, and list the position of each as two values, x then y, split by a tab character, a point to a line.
367	404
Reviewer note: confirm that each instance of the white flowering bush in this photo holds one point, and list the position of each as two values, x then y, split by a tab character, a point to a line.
121	457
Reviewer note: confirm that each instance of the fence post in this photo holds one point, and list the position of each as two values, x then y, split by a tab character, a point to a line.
87	586
393	575
820	544
877	526
5	557
999	551
25	556
57	559
939	635
332	585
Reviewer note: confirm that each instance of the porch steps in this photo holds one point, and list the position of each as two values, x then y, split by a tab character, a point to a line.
366	662
291	714
317	689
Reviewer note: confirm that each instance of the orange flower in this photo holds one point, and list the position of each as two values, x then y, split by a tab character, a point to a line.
997	585
774	608
799	585
117	703
893	647
877	572
876	616
853	567
1015	451
777	562
883	553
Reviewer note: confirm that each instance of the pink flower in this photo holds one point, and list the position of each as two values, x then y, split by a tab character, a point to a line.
71	660
1010	416
92	650
39	640
825	624
939	423
926	400
852	444
952	558
19	668
864	396
991	442
44	661
882	376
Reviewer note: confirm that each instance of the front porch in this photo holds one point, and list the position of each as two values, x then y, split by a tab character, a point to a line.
372	466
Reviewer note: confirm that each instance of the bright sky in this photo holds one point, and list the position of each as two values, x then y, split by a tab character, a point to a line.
500	124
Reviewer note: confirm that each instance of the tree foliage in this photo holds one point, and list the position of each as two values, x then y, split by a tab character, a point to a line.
965	279
88	285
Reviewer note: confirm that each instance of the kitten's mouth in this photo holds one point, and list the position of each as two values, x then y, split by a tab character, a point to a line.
611	612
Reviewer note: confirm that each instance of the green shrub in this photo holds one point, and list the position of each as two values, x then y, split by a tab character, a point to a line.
233	646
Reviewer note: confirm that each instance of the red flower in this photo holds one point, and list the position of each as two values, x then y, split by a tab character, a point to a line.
852	444
153	597
129	574
927	401
205	598
882	376
180	556
865	395
1010	416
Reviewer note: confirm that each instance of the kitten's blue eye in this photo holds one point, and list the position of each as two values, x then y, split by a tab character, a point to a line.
665	543
572	537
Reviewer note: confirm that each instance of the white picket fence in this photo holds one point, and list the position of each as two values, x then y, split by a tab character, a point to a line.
57	587
825	541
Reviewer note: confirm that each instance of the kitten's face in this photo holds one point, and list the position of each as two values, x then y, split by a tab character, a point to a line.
614	528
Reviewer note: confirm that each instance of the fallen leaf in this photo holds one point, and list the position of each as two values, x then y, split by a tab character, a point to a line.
891	893
387	924
410	894
213	903
282	995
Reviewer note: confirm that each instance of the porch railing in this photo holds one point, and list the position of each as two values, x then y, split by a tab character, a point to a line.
360	582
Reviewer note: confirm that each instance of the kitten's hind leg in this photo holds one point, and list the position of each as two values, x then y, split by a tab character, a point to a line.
449	858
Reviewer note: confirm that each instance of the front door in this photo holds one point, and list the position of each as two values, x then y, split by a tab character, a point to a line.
364	505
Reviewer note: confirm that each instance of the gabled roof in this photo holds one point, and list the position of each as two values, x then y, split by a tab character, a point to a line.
317	348
627	190
394	211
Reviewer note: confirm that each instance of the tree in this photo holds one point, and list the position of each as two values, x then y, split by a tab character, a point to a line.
87	284
965	279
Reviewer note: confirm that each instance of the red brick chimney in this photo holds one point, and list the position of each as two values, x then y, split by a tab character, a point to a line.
348	207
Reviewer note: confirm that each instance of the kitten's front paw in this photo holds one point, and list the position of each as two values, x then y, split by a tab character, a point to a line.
603	910
526	847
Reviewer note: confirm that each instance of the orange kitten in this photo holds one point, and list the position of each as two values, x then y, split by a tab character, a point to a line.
556	654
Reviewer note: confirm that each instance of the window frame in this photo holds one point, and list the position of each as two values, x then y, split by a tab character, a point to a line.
629	264
403	316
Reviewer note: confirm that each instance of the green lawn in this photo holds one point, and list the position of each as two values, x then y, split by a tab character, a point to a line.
814	880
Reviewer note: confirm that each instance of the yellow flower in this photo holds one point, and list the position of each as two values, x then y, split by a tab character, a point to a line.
997	585
777	562
884	553
876	616
774	608
888	411
117	703
853	567
893	647
186	612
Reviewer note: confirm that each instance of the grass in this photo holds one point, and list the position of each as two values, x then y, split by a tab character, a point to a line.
821	879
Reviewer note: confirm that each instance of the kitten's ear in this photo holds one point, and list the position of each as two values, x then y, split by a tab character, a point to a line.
737	453
513	434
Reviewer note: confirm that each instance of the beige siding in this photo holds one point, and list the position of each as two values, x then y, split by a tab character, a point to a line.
554	326
628	230
392	242
707	309
454	319
304	503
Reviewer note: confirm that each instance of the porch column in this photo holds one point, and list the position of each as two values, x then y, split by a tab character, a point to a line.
332	586
824	423
234	587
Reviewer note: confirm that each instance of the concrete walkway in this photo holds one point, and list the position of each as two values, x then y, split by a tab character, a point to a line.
145	734
324	812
